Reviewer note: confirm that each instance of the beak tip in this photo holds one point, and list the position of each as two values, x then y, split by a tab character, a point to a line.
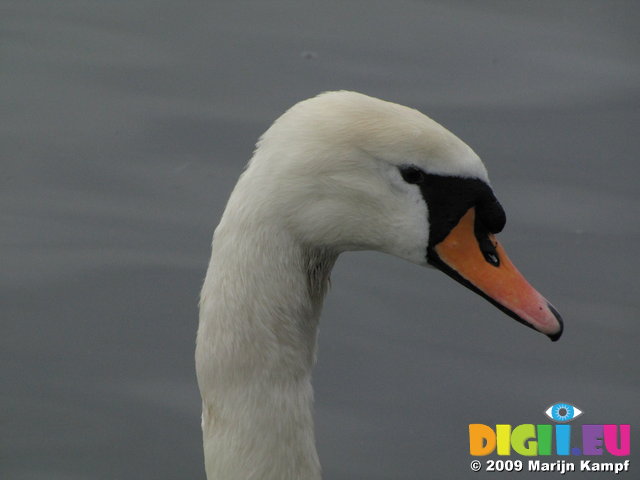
556	336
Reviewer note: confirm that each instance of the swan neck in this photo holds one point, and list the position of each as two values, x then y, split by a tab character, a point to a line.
256	346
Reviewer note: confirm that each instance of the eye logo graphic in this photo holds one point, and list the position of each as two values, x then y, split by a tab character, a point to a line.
530	439
563	412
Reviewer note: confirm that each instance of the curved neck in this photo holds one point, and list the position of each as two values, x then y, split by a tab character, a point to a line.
256	344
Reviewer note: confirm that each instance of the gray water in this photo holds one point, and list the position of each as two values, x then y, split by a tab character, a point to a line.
124	128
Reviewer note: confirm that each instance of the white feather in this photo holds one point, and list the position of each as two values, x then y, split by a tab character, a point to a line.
323	180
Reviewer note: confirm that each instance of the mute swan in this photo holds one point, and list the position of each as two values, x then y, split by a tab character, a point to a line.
341	171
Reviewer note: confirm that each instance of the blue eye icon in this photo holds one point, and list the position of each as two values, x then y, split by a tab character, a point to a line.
562	412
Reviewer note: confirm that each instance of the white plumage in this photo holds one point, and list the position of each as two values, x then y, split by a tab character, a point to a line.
324	179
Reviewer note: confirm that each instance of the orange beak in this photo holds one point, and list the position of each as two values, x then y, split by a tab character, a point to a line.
491	274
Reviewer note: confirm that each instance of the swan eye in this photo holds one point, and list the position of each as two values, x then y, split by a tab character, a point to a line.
412	175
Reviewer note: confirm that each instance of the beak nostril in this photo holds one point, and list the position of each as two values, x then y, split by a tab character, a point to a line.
488	248
486	242
492	258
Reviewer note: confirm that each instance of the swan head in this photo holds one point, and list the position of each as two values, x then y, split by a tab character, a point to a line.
345	171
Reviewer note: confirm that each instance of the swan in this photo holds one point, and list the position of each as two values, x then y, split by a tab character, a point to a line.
341	171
